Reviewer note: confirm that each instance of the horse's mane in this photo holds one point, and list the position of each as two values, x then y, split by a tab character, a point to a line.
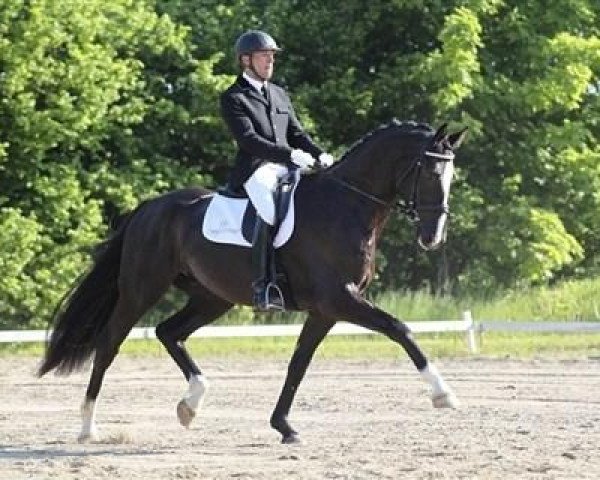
395	125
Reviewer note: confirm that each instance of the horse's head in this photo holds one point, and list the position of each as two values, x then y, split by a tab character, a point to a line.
431	179
416	165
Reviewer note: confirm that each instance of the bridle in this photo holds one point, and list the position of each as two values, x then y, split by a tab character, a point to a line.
411	207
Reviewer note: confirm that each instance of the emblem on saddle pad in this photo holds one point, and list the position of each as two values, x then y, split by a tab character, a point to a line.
231	220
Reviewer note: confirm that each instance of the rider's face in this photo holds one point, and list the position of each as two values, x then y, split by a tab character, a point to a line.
262	63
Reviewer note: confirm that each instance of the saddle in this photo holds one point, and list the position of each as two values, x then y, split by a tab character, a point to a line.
230	216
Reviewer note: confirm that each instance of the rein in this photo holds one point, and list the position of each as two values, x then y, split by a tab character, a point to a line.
410	208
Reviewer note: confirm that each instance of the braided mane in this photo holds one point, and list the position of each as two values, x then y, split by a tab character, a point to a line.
393	125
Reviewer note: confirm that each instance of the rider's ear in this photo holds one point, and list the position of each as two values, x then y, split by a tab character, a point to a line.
441	133
245	60
455	139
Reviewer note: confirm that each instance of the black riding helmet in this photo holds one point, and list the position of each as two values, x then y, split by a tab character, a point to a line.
254	41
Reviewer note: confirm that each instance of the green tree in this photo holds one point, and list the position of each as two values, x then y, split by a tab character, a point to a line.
522	75
85	86
106	103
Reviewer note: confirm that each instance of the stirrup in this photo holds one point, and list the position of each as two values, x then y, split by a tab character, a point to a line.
270	299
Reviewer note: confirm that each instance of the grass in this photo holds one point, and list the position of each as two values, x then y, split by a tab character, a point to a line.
446	345
575	300
569	301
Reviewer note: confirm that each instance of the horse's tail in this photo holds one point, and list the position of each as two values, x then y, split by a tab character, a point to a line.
82	314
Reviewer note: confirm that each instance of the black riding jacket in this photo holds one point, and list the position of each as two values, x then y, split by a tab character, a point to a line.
265	129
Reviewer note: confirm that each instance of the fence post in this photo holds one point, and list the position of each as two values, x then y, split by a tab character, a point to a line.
471	342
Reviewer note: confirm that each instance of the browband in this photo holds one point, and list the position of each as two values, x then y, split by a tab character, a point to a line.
441	156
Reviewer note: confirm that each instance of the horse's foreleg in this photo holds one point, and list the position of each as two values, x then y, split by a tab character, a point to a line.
353	308
442	395
313	332
199	311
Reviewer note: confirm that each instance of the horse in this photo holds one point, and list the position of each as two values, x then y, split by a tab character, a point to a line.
329	262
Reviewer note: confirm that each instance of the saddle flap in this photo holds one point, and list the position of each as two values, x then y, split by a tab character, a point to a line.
231	220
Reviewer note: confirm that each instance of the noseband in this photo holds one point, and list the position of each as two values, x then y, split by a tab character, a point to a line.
410	208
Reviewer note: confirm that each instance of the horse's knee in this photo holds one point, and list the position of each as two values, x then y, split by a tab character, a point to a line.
401	327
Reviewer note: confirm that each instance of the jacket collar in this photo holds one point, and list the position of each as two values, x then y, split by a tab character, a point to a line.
250	90
257	84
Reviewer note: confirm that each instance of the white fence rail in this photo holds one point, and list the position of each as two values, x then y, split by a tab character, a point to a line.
466	326
565	327
342	328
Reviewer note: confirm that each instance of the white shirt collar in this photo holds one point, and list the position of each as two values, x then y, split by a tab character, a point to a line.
257	84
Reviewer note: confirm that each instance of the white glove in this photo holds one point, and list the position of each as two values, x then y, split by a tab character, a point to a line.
326	159
302	159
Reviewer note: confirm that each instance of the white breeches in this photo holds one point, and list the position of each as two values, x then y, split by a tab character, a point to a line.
261	186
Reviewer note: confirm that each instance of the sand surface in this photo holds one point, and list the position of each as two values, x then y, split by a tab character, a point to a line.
357	419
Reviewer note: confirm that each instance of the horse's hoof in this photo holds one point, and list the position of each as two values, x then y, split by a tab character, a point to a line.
291	438
185	413
445	400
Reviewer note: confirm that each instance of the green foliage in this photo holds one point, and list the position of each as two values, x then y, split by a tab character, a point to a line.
105	103
452	71
78	85
574	300
19	237
529	242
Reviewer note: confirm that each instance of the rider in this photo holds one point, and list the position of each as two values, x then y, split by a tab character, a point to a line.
261	118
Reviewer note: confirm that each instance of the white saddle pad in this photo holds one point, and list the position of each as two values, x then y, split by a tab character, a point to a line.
223	221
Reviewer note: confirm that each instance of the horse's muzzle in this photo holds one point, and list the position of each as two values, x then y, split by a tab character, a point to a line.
428	245
432	234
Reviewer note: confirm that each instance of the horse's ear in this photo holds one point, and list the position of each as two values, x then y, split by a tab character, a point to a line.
441	133
455	139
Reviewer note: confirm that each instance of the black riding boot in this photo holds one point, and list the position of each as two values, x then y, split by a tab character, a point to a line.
266	294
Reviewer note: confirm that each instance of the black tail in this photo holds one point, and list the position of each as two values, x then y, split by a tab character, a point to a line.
85	310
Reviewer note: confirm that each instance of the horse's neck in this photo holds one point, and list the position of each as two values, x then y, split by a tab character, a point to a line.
368	171
356	198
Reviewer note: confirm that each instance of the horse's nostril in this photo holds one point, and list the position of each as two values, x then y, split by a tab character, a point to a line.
430	242
425	242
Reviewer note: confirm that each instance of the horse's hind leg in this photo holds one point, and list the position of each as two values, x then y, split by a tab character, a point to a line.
202	308
131	305
313	332
108	343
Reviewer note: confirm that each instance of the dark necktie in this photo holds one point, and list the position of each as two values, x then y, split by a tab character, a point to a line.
263	90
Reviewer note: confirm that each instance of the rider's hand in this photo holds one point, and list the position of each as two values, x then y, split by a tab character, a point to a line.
302	159
326	160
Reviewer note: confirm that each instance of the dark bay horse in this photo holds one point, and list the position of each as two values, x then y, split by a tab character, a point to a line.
329	260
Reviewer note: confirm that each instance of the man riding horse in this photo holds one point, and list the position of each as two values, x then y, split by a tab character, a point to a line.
341	215
270	138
